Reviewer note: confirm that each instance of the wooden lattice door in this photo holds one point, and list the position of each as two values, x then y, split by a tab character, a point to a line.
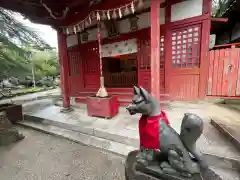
75	71
185	63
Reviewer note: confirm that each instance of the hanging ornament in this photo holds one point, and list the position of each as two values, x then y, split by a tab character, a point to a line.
132	8
108	15
104	17
126	12
67	31
82	25
120	13
114	15
75	29
86	23
140	4
98	16
93	15
89	18
78	28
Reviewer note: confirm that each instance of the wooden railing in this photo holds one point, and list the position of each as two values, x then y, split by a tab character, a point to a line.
224	72
121	79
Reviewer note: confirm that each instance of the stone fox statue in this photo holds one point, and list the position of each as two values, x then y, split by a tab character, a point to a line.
175	154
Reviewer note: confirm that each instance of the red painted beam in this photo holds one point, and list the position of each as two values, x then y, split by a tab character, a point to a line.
155	48
220	19
62	47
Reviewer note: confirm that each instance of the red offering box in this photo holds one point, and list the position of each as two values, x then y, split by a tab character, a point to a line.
102	107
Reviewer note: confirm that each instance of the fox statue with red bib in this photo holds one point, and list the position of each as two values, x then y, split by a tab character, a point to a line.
164	154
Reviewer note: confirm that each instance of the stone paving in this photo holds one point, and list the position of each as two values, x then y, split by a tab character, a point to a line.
44	157
127	126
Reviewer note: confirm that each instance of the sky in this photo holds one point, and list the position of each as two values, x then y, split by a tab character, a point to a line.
46	32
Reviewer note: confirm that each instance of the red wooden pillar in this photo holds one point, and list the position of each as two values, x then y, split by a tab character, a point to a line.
64	71
167	46
204	64
155	48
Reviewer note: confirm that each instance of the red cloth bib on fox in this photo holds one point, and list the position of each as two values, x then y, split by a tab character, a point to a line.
149	130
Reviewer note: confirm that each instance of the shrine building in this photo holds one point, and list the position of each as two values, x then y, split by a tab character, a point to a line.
161	45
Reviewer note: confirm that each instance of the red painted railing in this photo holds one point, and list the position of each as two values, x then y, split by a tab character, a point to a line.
121	79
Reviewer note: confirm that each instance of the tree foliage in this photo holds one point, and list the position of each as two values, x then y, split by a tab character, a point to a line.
219	6
14	37
45	63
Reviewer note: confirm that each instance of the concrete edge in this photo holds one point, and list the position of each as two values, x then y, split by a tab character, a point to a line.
86	130
228	107
33	118
61	135
225	133
222	162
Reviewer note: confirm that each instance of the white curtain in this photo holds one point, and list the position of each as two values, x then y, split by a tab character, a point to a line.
119	48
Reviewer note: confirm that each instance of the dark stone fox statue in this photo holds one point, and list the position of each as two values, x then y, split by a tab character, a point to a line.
164	154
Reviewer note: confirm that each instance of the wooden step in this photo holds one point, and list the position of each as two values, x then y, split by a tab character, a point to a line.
81	99
124	97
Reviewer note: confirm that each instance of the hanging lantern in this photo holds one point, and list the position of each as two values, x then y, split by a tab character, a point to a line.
120	13
108	15
132	8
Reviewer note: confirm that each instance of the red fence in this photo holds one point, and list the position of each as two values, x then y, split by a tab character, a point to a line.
224	73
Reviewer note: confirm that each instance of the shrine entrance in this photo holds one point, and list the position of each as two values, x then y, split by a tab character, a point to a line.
120	71
120	67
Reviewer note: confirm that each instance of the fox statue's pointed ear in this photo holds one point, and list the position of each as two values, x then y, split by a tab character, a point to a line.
136	90
144	93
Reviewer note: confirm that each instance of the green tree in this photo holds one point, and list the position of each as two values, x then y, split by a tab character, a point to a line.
45	64
219	6
14	36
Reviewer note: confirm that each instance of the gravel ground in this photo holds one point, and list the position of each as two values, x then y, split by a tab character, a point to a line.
44	157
